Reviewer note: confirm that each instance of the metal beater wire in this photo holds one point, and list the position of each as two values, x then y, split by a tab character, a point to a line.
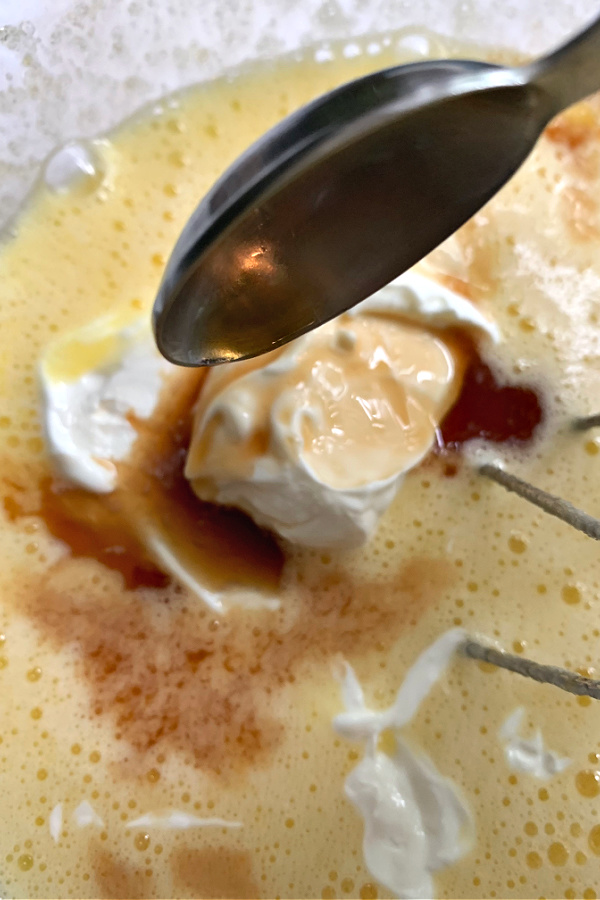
585	422
554	675
551	504
561	509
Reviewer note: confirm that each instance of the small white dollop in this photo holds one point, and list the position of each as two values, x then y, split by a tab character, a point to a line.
92	381
55	821
313	440
85	815
529	755
178	820
415	821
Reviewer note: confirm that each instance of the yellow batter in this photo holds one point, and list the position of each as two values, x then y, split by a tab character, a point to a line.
138	701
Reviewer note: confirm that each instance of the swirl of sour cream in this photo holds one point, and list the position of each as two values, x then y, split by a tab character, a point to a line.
415	821
314	439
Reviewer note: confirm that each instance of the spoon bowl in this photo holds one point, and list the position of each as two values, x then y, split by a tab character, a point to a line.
346	194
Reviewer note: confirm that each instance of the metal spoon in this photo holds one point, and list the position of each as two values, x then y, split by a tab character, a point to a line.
350	191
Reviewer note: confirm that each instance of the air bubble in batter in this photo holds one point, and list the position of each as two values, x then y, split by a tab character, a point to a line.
76	165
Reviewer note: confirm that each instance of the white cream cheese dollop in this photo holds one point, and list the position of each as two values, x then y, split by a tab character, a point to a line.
313	440
415	822
424	301
92	381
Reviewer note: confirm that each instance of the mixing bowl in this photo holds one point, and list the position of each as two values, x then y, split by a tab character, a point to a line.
74	69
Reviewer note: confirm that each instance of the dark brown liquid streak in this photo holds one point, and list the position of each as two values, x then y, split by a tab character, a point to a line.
170	675
486	408
191	681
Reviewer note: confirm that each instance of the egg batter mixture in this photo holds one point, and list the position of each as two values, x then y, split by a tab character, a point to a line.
151	747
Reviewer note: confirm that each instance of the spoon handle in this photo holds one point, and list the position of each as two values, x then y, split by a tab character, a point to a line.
570	73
